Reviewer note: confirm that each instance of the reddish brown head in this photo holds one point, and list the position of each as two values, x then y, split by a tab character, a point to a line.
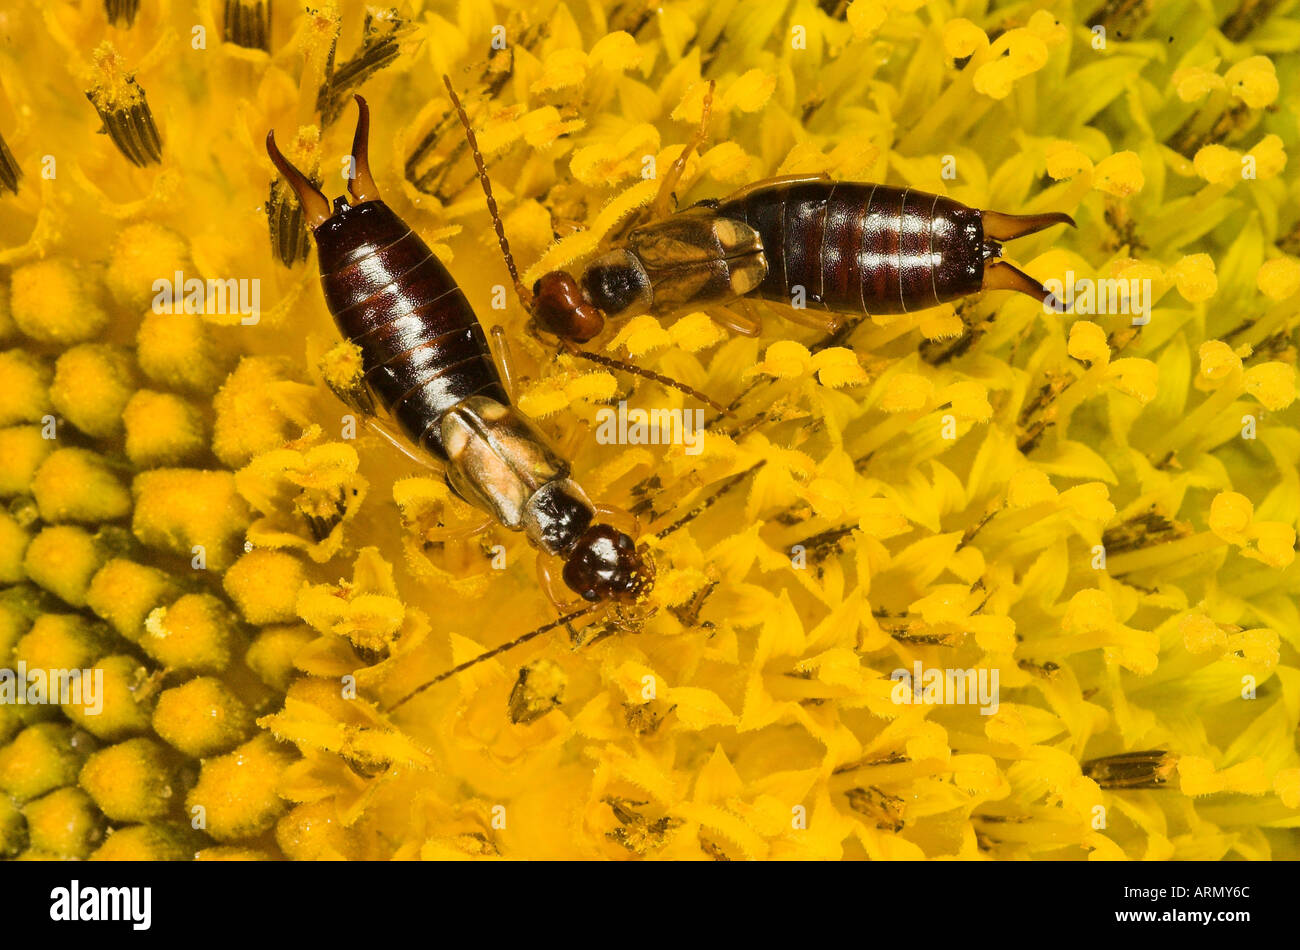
605	564
560	307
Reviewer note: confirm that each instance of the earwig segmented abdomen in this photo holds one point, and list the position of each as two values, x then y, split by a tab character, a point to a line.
856	247
423	350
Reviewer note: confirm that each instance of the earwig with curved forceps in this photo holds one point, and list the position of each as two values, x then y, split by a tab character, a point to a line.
853	248
428	368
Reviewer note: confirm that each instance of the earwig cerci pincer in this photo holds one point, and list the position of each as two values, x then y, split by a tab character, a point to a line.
427	365
840	247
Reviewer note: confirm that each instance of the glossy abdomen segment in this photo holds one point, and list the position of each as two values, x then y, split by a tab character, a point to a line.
856	247
421	345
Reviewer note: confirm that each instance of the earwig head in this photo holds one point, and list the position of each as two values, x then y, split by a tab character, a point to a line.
560	307
1001	275
605	564
360	185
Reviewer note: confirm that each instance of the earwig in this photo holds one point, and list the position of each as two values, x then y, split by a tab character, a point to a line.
844	248
428	368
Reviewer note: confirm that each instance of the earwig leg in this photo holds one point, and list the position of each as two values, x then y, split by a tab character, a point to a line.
1008	227
401	445
824	320
620	518
361	186
561	598
664	198
510	375
798	179
314	204
999	275
458	533
747	324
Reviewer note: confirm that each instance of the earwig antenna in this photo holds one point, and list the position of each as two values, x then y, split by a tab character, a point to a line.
708	503
524	296
649	374
496	651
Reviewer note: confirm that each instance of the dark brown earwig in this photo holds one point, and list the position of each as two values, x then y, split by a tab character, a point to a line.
805	241
428	368
839	247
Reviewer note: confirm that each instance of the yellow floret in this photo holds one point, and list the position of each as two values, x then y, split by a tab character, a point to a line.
230	853
272	653
264	585
13	828
140	255
60	642
64	823
63	559
124	702
7	326
257	407
77	485
1230	516
13	544
1120	174
147	843
41	758
179	508
23	449
130	781
16	619
52	301
162	429
1218	164
201	718
1254	81
1278	278
237	791
24	388
313	832
1272	383
123	593
194	633
92	383
342	367
1218	360
177	350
